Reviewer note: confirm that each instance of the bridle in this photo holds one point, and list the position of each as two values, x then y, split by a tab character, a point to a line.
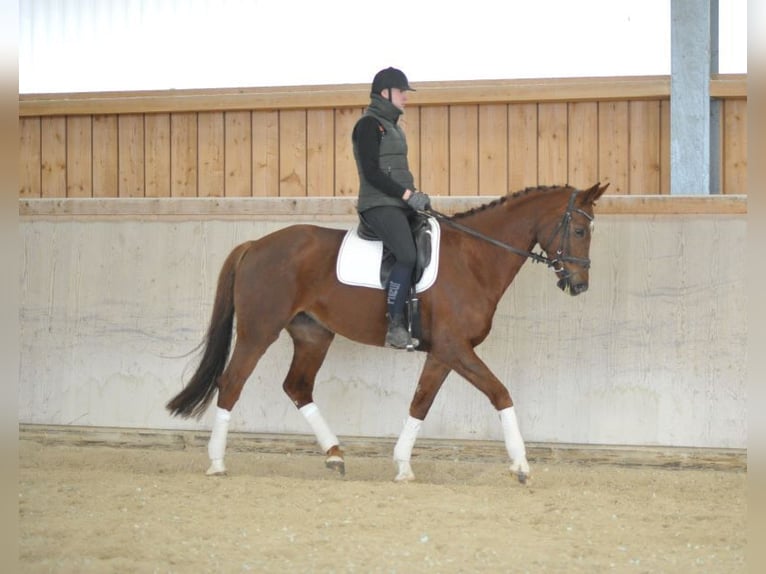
563	228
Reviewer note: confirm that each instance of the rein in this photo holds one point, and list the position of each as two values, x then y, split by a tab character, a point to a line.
562	227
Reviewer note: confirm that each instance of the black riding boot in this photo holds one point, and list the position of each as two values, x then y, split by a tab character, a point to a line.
397	335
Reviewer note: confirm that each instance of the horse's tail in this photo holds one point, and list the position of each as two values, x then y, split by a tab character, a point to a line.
198	392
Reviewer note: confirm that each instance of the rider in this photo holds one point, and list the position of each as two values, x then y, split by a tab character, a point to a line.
388	199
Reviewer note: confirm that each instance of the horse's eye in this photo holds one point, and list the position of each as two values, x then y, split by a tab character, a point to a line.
580	232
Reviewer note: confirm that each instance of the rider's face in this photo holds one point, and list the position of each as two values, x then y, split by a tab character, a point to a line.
398	97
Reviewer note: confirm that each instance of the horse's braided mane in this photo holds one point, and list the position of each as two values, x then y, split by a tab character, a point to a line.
514	195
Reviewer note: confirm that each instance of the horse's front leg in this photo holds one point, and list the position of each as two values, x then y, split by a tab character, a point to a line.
431	379
474	370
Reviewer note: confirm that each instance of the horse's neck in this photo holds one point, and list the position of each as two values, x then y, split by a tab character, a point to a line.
510	223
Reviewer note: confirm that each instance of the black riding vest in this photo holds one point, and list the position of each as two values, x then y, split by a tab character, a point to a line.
393	156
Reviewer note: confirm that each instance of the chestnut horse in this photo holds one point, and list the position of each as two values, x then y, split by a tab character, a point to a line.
287	280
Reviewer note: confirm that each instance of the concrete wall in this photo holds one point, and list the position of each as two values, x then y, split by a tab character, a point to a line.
653	354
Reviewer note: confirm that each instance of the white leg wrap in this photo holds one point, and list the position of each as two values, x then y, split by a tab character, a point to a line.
403	448
514	444
325	436
216	446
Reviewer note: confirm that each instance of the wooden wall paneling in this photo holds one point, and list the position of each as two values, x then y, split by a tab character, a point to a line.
131	159
212	147
522	146
79	156
644	147
183	155
613	145
410	122
292	153
434	150
493	149
346	177
265	134
157	145
665	147
29	157
53	156
734	146
238	155
464	150
552	150
583	144
105	156
320	153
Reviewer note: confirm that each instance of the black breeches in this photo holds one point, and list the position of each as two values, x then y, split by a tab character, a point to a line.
392	226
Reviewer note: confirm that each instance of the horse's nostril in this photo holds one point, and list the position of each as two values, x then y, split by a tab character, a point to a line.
579	288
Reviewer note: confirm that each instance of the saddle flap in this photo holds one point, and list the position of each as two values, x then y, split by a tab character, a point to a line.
361	261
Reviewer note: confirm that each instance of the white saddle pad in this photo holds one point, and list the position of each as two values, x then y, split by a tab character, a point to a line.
359	260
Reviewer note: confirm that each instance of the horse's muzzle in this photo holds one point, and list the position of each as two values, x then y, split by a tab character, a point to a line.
566	285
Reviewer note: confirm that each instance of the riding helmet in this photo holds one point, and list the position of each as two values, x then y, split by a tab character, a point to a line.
390	78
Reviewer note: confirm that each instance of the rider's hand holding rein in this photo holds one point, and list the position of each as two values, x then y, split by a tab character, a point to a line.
417	200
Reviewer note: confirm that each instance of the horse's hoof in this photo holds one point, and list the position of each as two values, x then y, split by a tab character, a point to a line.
336	463
216	468
522	476
404	477
404	471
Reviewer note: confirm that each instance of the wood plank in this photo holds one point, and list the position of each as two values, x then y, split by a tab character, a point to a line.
644	148
340	208
522	146
734	144
211	151
357	95
582	144
410	122
30	161
434	151
105	156
552	144
292	153
238	155
157	143
665	147
613	146
79	156
183	155
320	153
463	150
493	150
130	129
346	177
265	153
53	156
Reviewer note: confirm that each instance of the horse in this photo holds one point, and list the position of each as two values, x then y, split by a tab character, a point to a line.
287	280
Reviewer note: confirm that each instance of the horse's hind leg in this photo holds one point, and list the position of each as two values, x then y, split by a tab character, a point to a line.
243	360
311	342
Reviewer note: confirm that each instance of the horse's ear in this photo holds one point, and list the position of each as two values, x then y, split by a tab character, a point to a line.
592	194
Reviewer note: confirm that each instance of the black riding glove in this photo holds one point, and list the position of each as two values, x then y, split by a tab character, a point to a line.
419	201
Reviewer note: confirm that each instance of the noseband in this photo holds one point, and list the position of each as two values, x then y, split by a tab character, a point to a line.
563	228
